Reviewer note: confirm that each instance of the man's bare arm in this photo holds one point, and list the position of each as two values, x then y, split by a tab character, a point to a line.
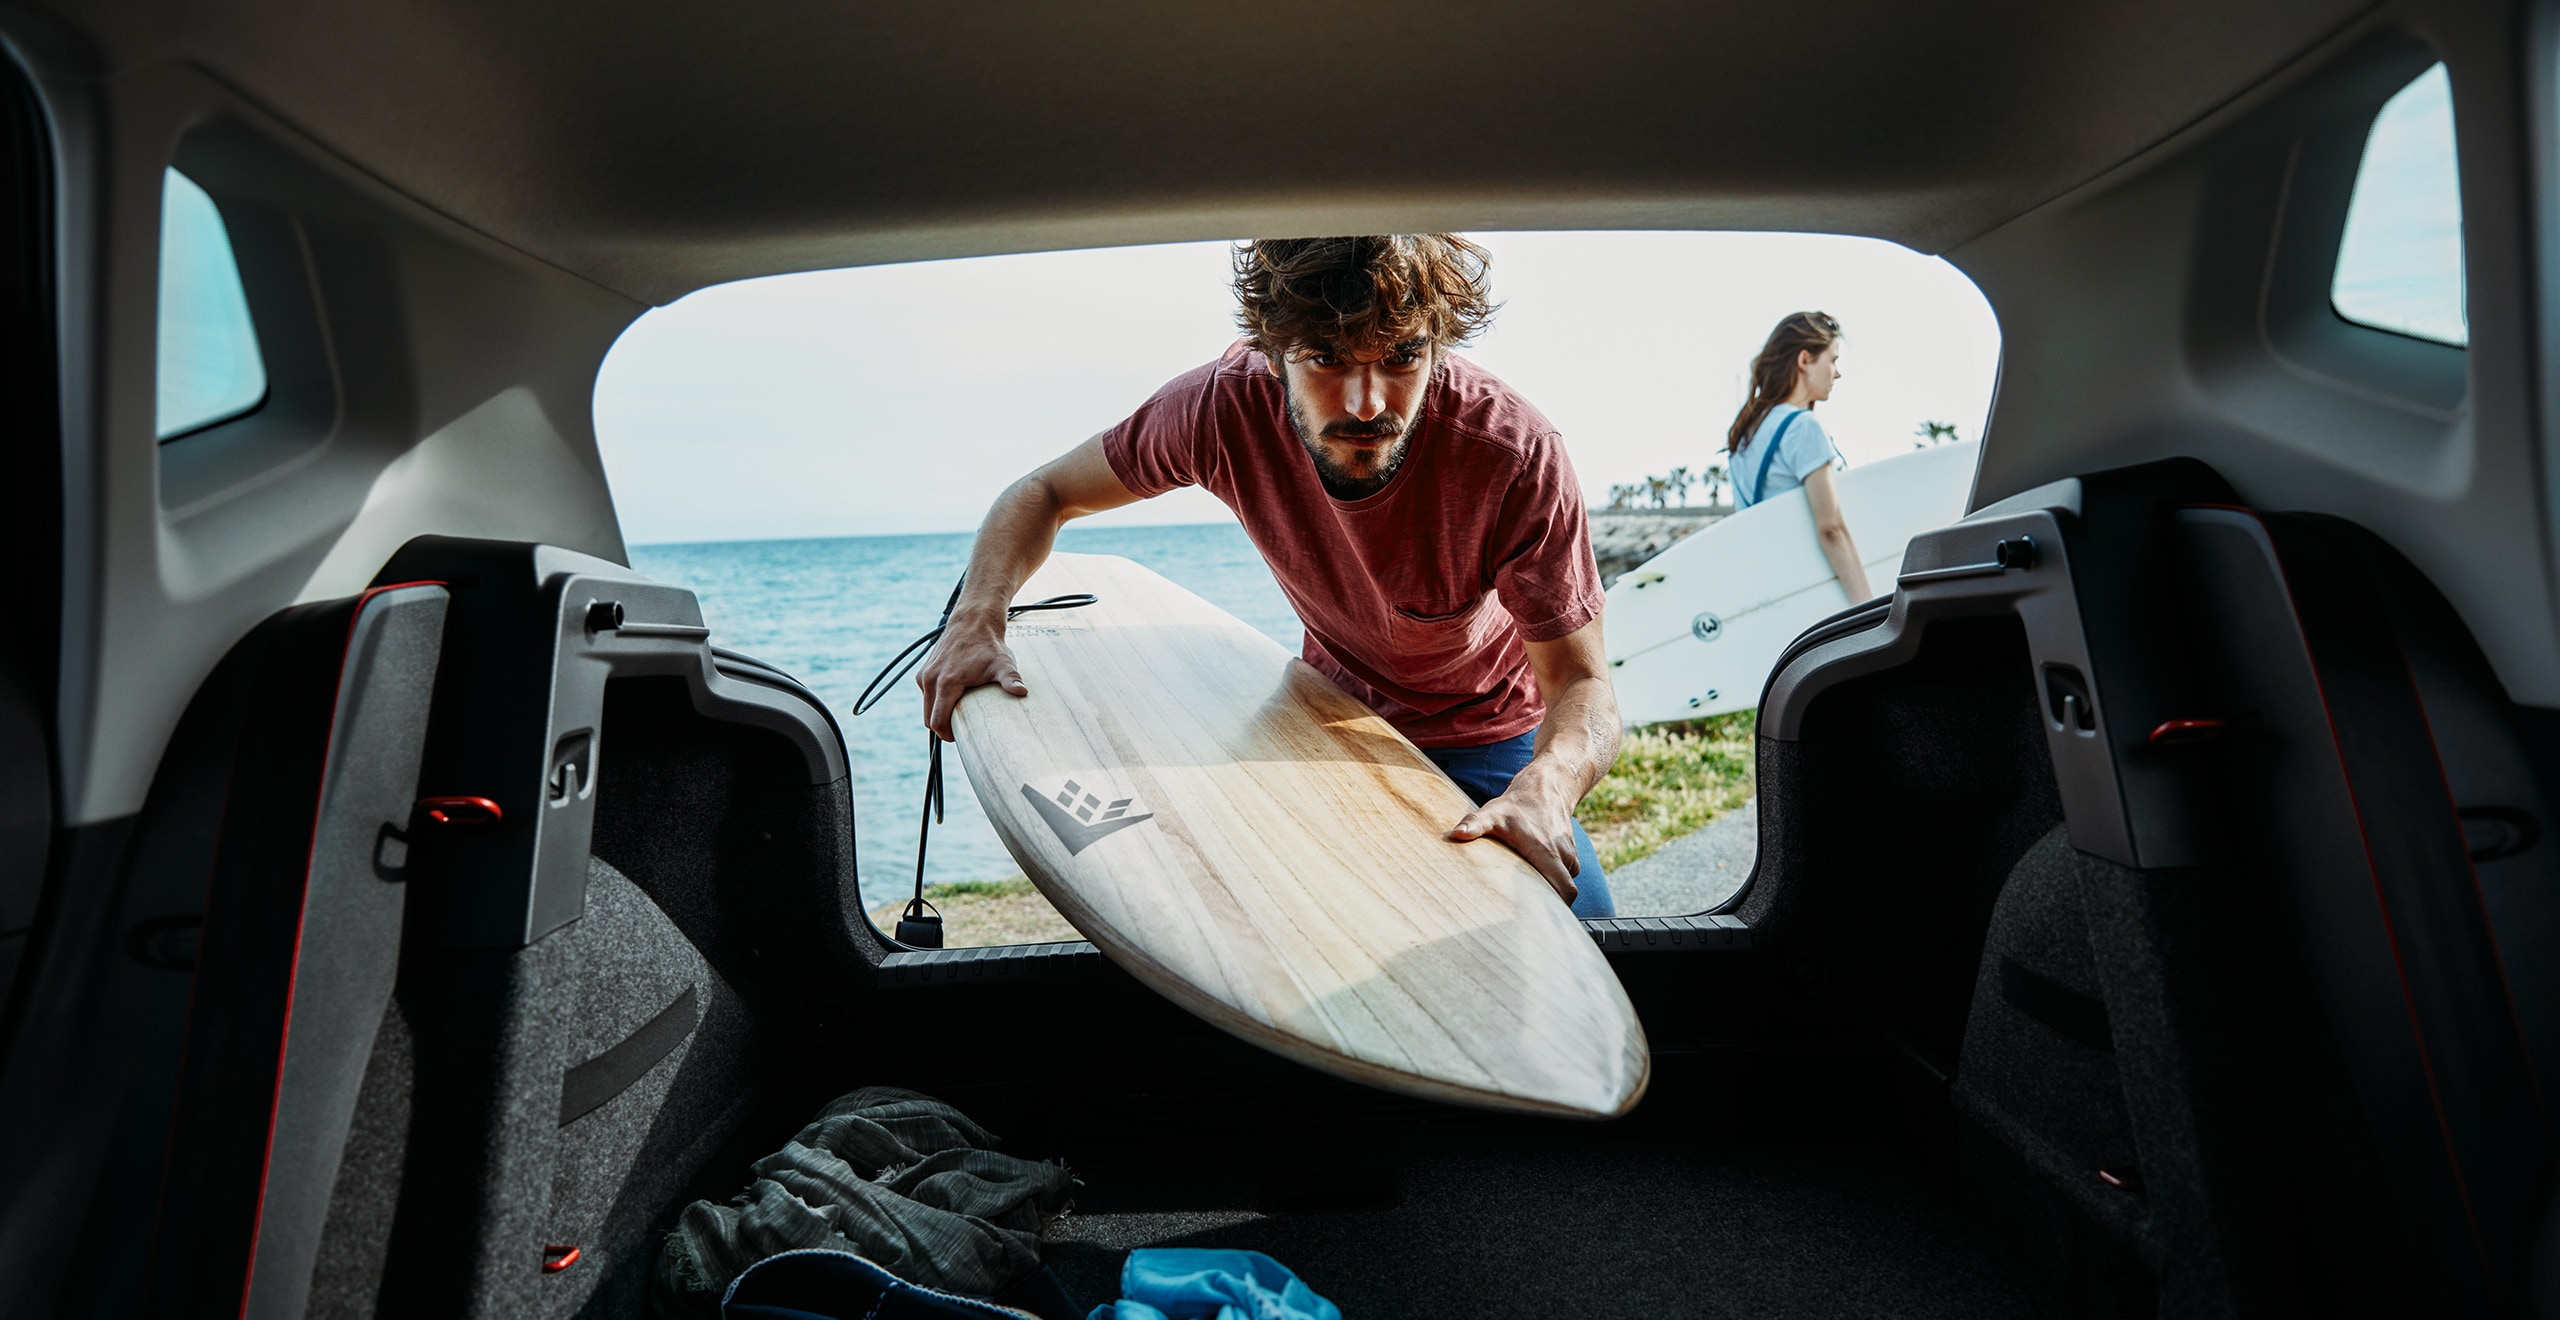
1831	525
1012	543
1577	744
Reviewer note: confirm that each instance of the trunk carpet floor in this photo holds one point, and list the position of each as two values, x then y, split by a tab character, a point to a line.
1703	1230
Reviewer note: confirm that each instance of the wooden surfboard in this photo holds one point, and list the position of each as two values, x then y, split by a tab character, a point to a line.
1260	848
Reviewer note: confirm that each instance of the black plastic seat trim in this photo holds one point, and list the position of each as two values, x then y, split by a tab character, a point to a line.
589	1086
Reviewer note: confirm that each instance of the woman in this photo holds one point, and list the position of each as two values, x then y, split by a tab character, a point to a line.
1775	445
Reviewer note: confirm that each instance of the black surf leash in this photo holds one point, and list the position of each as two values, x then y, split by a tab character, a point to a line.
921	924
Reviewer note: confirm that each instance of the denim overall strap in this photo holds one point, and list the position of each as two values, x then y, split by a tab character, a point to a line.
1760	484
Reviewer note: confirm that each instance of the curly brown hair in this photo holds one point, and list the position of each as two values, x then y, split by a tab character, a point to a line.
1774	372
1361	294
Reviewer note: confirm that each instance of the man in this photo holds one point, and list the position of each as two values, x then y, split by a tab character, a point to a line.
1421	517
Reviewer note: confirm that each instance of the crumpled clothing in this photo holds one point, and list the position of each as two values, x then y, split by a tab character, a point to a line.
1190	1283
830	1285
897	1177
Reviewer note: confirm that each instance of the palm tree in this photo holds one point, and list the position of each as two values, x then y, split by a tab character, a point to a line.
1934	433
1657	487
1715	480
1680	484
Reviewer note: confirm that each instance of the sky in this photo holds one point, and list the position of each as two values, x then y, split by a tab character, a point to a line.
899	399
2400	260
210	367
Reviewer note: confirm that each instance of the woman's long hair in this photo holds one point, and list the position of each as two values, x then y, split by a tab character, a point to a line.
1773	373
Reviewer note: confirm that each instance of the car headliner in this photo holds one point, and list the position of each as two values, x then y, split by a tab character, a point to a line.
655	147
659	147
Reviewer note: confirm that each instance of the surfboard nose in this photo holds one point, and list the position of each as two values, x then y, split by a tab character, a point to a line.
1428	1022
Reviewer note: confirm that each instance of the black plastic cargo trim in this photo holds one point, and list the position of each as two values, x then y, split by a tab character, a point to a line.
587	1087
916	968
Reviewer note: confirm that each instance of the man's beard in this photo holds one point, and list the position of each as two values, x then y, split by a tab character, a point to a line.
1367	474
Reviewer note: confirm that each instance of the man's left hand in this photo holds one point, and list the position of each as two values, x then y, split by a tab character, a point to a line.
1537	824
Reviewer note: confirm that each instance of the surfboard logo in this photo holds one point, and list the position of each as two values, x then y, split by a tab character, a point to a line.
1080	818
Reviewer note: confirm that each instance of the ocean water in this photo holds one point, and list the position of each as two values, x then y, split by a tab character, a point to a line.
832	612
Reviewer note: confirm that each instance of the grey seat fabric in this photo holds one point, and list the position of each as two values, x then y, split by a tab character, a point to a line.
899	1178
622	970
2402	1027
2039	1063
2075	1091
488	1199
2293	1075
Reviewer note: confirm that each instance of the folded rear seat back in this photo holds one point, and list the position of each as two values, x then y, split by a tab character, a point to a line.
431	1056
567	1094
2402	1075
2095	1133
2489	761
2066	1059
2290	957
2047	1143
582	1033
324	708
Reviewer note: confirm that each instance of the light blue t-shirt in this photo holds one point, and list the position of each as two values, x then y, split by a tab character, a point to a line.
1806	449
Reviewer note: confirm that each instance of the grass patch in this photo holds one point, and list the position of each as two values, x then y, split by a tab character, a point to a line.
1670	780
980	889
976	913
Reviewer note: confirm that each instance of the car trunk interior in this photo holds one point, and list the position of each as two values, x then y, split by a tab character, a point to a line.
1796	1152
2156	908
1985	1035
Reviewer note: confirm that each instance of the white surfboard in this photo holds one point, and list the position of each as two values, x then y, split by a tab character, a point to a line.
1694	630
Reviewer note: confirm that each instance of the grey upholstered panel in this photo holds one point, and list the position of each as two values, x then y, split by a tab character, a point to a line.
355	1246
349	948
599	1183
2039	1070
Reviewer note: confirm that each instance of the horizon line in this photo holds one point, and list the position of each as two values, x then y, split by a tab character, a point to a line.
882	536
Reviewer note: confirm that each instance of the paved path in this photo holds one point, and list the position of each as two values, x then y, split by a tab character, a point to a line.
1694	872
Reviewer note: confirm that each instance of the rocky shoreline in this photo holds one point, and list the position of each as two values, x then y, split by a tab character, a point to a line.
1624	538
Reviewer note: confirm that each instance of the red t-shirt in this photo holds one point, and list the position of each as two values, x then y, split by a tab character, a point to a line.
1415	599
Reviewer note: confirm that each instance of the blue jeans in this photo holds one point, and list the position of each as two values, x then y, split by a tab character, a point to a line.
1487	770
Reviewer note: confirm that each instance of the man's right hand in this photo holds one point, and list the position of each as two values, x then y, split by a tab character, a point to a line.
968	656
1012	542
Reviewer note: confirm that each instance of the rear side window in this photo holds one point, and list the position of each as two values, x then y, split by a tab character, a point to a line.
210	368
2400	262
